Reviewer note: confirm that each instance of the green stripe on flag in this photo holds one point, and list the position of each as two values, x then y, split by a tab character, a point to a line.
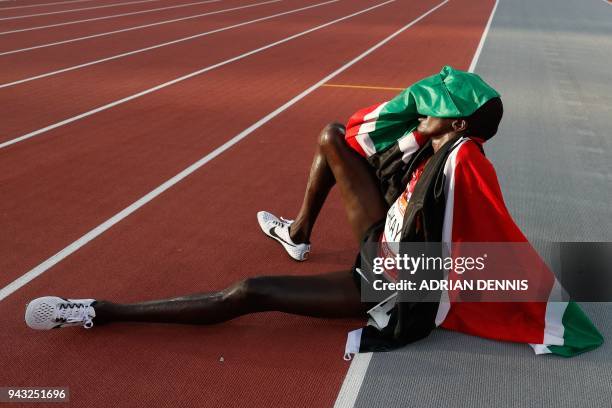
580	334
450	94
390	134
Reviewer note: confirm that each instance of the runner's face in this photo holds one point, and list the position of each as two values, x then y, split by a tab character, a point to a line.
431	126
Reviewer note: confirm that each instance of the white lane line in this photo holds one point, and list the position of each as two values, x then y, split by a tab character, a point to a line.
21	30
123	30
97	231
191	37
347	397
41	5
353	380
485	33
79	9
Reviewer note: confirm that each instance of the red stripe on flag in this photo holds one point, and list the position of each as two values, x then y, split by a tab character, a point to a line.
480	215
358	117
420	139
354	144
353	125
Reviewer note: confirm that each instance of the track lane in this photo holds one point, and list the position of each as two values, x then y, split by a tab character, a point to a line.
79	93
124	48
31	35
29	39
32	14
32	6
24	20
437	33
13	5
197	249
30	65
114	149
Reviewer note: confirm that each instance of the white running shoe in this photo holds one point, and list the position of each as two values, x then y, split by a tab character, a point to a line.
51	312
278	229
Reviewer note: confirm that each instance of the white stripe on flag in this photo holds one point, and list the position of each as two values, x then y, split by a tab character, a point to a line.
369	125
555	309
366	144
553	321
408	145
447	228
375	113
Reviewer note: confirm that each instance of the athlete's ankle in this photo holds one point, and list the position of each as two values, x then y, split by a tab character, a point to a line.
104	312
298	234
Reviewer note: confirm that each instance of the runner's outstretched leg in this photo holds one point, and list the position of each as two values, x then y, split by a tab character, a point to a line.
330	295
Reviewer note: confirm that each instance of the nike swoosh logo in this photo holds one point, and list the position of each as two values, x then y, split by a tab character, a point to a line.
275	235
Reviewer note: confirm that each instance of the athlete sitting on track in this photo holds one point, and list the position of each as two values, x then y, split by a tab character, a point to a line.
388	155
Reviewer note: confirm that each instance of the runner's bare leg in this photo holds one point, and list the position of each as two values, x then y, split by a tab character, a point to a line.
332	295
335	163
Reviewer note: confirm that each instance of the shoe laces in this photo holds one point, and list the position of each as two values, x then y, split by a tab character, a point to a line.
282	223
73	312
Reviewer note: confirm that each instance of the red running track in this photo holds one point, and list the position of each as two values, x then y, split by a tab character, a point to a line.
41	6
69	94
118	152
71	29
195	50
23	7
202	234
17	18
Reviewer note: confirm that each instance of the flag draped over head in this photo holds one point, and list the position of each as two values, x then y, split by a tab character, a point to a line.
450	94
457	199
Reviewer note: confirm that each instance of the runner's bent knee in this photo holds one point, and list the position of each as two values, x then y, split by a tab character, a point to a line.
332	135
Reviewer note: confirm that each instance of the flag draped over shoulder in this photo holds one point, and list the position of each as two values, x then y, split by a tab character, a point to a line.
473	211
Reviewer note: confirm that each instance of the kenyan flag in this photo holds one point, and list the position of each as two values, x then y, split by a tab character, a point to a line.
449	94
474	212
569	331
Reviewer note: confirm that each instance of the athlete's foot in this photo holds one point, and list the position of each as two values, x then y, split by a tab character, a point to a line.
278	229
51	312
